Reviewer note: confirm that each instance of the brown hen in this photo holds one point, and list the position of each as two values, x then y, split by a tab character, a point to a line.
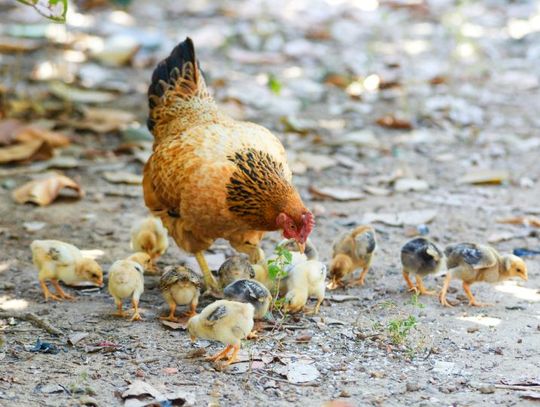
211	176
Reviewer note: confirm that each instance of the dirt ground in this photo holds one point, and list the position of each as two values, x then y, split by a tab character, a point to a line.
463	77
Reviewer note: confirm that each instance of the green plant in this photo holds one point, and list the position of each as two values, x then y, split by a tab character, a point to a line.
54	10
399	328
277	271
274	84
414	301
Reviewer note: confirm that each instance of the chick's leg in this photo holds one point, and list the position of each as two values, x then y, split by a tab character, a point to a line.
472	300
442	295
192	309
119	312
136	315
47	293
233	356
220	355
334	283
408	281
421	288
209	279
172	310
61	292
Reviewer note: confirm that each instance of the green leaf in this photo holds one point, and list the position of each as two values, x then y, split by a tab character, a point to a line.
274	84
273	271
288	256
54	10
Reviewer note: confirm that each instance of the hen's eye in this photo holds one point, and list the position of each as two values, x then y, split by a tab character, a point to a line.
293	227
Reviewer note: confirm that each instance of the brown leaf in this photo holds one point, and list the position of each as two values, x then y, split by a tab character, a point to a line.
102	120
30	133
44	191
33	150
123	178
392	122
521	220
8	131
175	325
13	45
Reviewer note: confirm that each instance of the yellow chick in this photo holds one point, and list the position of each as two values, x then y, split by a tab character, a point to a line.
310	251
473	263
305	280
420	257
126	279
224	321
352	250
57	261
180	286
236	267
150	236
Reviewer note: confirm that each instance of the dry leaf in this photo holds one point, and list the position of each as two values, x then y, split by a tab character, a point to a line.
8	131
301	373
103	120
342	298
76	95
392	122
401	218
175	325
485	177
140	388
120	177
30	151
44	191
335	193
29	133
410	184
12	45
76	337
521	220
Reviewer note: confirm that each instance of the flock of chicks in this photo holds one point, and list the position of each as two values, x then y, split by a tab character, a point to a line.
248	289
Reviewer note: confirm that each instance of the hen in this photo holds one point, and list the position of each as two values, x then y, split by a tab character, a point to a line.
211	176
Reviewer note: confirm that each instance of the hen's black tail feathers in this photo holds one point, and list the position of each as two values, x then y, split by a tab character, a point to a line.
168	71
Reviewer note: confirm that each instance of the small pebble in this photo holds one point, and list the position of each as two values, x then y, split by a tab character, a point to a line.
411	386
472	329
489	389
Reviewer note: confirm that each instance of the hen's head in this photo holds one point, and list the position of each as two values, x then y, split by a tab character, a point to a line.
296	227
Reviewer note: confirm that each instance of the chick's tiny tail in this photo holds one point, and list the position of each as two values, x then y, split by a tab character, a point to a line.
177	95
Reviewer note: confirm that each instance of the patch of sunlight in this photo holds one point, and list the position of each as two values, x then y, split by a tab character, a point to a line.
415	47
121	17
74	56
465	50
518	29
14	304
293	72
75	19
481	320
511	287
355	89
364	5
262	79
332	124
93	254
372	82
4	266
472	30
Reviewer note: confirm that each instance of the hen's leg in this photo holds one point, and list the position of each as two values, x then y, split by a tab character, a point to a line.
422	288
408	281
472	300
209	279
59	290
47	294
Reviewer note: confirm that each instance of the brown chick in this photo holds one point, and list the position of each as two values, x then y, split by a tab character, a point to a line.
225	321
352	250
420	257
473	263
236	267
180	286
59	261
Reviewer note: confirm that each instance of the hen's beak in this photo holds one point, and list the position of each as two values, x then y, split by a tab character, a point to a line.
301	247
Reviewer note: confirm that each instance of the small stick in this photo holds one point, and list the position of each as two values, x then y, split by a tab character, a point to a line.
34	320
516	387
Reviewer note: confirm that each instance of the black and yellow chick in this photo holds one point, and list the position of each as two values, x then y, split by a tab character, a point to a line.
420	257
236	267
473	263
252	292
180	286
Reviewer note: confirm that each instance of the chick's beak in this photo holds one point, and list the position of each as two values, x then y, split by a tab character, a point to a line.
301	247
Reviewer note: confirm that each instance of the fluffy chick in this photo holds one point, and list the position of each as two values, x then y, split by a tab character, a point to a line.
420	257
252	292
305	280
57	261
236	267
473	263
180	286
150	236
126	280
225	321
352	250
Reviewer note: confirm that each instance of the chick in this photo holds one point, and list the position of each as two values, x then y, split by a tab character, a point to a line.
150	236
310	251
143	259
352	250
126	280
473	263
225	321
420	257
305	280
252	292
56	261
180	286
236	267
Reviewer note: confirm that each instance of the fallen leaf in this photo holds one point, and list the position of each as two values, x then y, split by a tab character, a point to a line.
120	177
8	131
301	373
46	190
317	162
51	388
101	120
27	134
77	95
175	325
335	193
195	353
76	337
117	50
13	45
243	367
392	122
377	191
521	220
485	177
140	388
401	218
33	226
31	151
530	395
